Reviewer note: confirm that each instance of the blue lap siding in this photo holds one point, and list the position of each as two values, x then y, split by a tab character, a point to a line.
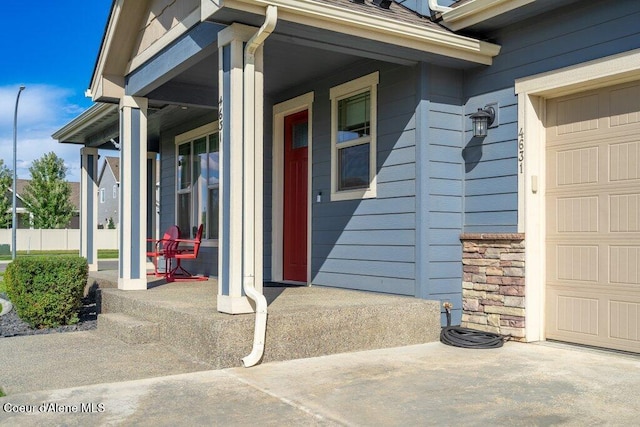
577	33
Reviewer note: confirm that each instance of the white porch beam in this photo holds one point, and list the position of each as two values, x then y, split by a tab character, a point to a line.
89	206
133	189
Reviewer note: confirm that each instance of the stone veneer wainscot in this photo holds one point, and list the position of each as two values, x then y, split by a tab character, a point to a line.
493	283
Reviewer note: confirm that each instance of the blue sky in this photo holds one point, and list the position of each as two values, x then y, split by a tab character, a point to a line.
51	48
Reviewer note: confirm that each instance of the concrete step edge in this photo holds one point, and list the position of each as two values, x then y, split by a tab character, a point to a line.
128	329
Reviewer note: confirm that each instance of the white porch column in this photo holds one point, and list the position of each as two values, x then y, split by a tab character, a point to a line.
133	193
89	206
231	298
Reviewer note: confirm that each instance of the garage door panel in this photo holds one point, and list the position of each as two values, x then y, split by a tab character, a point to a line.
577	214
573	313
587	317
624	158
576	114
625	320
577	263
624	213
624	104
593	218
624	266
577	166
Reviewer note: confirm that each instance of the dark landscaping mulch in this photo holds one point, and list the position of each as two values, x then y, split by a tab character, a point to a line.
12	326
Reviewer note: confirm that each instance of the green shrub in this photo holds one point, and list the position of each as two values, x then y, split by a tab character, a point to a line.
47	291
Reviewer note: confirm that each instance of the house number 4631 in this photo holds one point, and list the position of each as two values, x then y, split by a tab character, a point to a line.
521	150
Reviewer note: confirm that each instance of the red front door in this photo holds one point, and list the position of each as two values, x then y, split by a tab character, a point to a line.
295	197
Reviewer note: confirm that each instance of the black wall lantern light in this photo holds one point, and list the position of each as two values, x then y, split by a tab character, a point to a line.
482	119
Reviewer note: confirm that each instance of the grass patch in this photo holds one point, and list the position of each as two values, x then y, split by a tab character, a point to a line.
107	253
2	393
102	254
3	287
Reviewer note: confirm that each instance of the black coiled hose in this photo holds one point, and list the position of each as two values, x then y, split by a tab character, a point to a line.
468	338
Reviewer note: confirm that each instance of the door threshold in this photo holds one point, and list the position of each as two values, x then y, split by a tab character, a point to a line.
285	283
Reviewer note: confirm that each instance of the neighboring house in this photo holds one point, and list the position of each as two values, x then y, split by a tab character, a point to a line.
23	215
336	149
109	192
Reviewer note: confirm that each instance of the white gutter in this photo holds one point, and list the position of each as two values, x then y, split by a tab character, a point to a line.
253	180
433	5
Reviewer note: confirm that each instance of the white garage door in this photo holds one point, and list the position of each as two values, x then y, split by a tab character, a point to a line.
593	218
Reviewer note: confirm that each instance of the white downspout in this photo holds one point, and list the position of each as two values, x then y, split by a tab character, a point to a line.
434	6
253	174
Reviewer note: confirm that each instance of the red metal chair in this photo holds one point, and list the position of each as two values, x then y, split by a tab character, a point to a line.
159	249
178	253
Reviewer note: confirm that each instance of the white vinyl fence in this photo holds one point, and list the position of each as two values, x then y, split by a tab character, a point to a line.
65	239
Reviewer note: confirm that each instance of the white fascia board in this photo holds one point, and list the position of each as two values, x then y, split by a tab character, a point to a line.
338	19
477	11
96	81
93	114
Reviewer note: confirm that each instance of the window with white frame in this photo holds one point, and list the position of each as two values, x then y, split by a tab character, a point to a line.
353	138
102	195
115	191
197	182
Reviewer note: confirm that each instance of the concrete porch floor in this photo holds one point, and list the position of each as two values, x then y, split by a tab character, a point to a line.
302	322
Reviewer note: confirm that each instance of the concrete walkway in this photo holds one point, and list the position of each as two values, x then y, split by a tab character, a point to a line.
428	384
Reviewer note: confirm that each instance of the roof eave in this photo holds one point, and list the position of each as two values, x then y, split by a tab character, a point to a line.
90	116
120	36
353	22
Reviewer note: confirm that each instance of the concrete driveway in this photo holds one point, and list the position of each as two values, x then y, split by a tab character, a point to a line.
428	384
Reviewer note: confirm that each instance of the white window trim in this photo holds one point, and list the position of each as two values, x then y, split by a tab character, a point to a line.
180	139
336	93
115	191
102	195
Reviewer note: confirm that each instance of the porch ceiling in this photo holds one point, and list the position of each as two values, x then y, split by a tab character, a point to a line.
98	125
194	92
